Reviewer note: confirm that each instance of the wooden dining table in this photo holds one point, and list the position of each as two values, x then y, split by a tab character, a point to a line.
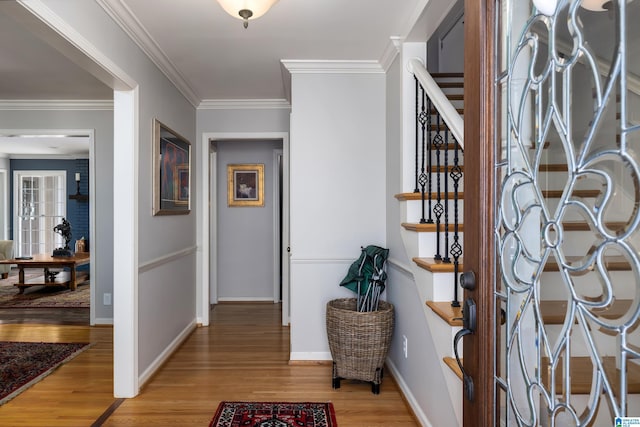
54	273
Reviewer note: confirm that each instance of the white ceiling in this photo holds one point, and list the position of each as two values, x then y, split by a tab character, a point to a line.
60	145
206	53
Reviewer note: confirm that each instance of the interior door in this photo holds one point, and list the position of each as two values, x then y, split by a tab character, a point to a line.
559	289
39	204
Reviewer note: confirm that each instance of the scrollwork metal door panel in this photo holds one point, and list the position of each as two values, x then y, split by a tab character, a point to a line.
567	123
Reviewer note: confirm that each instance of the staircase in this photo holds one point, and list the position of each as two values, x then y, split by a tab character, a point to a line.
428	236
432	230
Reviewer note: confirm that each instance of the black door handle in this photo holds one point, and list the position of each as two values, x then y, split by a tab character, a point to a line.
468	280
469	322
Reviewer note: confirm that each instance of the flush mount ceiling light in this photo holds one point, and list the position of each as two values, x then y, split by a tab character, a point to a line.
246	9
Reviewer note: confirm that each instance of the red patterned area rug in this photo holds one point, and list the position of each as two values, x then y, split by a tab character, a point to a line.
42	296
274	414
23	364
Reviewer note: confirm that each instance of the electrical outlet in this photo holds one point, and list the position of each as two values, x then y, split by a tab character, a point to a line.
106	299
405	346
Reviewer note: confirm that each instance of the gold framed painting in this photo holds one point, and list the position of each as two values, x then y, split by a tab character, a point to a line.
171	172
245	185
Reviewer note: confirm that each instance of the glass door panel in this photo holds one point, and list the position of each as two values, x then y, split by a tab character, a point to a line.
567	129
40	204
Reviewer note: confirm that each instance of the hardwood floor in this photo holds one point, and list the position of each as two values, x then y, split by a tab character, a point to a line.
243	355
55	316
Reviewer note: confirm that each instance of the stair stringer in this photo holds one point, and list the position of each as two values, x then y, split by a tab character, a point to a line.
434	287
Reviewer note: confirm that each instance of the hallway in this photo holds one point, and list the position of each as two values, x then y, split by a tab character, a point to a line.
243	355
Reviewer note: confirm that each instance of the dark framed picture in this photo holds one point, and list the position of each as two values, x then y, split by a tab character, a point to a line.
171	172
245	185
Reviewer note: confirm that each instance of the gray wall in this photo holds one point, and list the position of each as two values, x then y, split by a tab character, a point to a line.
338	202
245	234
102	123
454	48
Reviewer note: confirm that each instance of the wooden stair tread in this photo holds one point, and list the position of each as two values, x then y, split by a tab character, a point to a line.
584	226
555	194
450	146
549	194
581	375
416	196
553	167
455	96
566	226
441	168
436	266
453	365
612	263
437	127
447	75
428	228
554	311
434	111
451	315
452	84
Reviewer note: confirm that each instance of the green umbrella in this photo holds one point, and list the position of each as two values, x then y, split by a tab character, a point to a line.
366	277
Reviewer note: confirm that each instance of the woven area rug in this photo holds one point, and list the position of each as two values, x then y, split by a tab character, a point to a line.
274	414
42	296
23	364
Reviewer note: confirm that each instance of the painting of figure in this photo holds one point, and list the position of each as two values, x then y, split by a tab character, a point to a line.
245	186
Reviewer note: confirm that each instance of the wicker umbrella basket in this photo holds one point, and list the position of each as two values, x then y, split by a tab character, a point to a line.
359	341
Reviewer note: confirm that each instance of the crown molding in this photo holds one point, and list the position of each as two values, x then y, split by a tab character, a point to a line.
123	16
80	156
391	51
244	104
48	104
332	67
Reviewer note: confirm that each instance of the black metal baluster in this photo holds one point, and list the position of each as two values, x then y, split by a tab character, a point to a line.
445	174
429	162
438	210
423	179
416	190
456	248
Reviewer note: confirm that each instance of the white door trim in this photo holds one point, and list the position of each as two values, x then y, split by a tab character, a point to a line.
277	232
125	184
4	205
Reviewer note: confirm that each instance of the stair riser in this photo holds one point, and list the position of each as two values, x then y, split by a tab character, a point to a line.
427	243
605	344
435	286
589	284
615	211
603	417
575	243
414	211
450	183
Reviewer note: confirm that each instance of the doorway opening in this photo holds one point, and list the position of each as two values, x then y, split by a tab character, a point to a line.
239	246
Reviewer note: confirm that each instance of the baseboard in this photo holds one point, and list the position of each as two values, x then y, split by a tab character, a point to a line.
310	362
314	356
420	416
103	321
164	356
245	299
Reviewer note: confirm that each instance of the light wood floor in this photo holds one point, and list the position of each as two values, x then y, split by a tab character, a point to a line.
242	356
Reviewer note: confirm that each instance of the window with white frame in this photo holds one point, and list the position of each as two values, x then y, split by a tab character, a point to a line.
39	204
